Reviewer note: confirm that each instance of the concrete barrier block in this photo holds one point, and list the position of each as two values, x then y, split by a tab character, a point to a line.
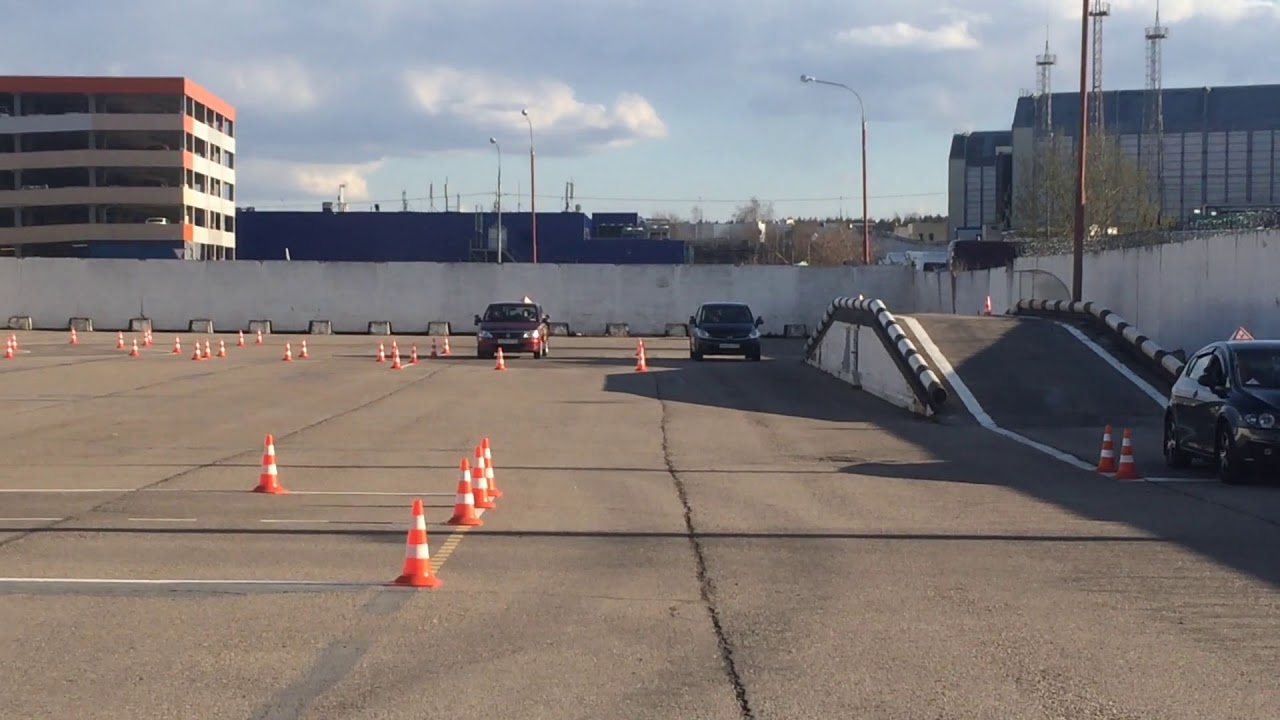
256	326
439	327
21	322
139	325
617	329
677	330
796	330
559	328
80	324
201	326
379	327
320	327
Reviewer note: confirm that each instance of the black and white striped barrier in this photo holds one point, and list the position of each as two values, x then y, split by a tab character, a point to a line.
1166	360
921	374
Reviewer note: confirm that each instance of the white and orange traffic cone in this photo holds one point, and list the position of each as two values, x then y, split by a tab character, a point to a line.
147	340
382	352
986	306
288	352
1128	469
434	353
502	362
208	350
133	352
642	363
395	358
222	348
9	352
464	506
302	353
240	339
195	355
269	478
119	340
1107	459
177	346
258	340
444	350
413	354
74	340
488	469
417	571
480	483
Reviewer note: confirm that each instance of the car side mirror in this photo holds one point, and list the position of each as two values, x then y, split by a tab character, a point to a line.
759	321
546	318
693	320
477	319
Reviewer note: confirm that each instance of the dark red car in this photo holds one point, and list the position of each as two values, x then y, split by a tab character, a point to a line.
516	327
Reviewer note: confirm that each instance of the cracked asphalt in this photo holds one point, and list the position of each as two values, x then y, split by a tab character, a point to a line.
718	540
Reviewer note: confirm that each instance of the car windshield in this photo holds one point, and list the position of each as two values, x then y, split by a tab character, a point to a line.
514	312
737	314
1259	368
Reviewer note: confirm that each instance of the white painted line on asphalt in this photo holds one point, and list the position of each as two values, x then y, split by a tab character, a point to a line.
364	492
160	519
31	519
55	491
135	581
68	490
1181	480
1111	360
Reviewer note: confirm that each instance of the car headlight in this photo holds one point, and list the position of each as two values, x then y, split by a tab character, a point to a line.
531	334
755	334
484	334
1261	420
699	332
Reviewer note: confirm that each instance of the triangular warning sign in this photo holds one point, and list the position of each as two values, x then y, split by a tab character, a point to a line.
1241	334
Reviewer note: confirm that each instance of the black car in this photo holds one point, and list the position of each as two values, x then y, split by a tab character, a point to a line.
1224	408
724	328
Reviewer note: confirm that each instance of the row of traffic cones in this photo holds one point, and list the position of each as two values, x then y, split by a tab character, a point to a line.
1126	468
397	364
477	491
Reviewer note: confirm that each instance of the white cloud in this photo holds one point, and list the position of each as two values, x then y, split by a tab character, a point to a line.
952	36
1179	11
283	84
293	179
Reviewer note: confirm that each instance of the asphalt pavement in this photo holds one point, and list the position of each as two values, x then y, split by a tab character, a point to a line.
722	539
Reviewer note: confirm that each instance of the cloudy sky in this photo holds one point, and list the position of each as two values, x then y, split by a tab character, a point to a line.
646	105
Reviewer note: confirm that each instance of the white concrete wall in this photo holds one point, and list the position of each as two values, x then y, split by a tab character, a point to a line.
856	355
410	295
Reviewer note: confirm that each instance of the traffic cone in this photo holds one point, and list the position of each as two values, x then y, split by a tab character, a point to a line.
382	352
479	483
986	306
413	354
147	340
269	479
502	362
395	358
642	364
258	340
240	339
119	340
177	346
133	352
288	352
74	341
1107	460
395	347
1128	469
464	506
13	340
444	351
196	354
8	349
208	350
417	570
222	348
302	354
488	470
434	354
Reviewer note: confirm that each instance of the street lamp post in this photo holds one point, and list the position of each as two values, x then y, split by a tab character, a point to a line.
866	219
533	189
494	142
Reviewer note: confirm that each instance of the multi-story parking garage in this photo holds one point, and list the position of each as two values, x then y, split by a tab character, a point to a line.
115	167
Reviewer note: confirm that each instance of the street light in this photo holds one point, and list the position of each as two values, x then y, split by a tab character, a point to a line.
494	142
866	219
533	189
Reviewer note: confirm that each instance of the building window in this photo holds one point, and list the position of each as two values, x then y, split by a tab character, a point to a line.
230	160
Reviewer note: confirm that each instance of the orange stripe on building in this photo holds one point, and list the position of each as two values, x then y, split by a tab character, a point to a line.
202	95
92	84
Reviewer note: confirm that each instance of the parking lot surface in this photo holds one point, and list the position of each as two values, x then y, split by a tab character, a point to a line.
722	539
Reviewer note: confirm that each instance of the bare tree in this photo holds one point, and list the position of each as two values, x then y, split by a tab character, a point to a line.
754	211
1120	196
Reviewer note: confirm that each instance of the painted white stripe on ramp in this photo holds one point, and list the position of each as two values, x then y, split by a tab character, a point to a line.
1120	367
135	581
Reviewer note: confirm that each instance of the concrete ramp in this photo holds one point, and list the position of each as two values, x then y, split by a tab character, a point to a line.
1046	380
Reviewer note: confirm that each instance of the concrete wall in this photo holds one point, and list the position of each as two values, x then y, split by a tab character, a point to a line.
856	355
410	295
1183	295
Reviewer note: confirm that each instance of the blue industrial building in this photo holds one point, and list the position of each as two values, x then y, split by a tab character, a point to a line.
563	237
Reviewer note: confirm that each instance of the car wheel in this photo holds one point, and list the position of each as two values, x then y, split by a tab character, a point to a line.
1174	456
754	357
697	356
1229	469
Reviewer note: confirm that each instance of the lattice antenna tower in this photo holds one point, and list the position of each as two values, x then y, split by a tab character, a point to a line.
1099	12
1153	130
1044	88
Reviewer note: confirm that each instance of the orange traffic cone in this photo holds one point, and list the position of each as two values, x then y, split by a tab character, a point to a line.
222	348
133	352
1128	470
8	349
642	364
488	470
986	306
288	352
479	483
303	352
258	340
464	506
382	352
1107	460
502	362
417	570
146	339
119	340
196	354
74	341
240	339
444	351
269	479
395	357
413	354
177	346
208	350
434	354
